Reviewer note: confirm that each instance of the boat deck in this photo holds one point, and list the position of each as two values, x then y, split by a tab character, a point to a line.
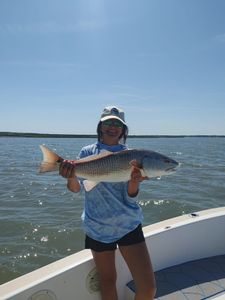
195	280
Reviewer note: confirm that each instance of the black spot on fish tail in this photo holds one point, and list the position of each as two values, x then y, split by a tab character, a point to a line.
60	159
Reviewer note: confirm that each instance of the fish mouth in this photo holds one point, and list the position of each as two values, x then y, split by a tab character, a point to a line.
172	169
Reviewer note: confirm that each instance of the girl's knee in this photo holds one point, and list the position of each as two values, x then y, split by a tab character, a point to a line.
108	286
108	279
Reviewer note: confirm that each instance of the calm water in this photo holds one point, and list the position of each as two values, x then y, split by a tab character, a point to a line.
40	219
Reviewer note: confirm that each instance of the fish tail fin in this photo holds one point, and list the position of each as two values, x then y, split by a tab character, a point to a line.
50	161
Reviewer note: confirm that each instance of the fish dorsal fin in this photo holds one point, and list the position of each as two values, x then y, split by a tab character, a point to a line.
95	156
89	185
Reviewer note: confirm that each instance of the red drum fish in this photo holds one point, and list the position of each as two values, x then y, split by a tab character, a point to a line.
112	166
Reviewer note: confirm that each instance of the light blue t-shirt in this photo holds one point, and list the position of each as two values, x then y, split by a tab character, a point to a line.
109	212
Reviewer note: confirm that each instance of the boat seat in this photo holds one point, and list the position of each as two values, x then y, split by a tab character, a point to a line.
196	280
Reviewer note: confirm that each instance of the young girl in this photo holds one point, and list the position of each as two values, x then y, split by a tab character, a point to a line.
112	217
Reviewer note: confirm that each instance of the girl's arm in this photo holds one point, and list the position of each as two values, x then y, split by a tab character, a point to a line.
136	178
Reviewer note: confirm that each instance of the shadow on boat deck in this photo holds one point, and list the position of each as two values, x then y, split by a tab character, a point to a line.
195	280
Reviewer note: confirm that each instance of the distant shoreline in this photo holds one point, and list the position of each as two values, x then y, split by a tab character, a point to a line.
58	135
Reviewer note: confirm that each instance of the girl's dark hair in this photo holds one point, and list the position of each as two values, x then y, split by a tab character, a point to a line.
123	136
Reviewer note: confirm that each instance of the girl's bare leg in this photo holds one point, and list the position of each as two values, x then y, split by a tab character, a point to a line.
139	263
105	264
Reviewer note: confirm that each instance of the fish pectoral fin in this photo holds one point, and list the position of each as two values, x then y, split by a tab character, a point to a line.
89	185
143	174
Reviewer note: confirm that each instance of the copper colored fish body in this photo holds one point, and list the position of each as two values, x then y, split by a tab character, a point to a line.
113	167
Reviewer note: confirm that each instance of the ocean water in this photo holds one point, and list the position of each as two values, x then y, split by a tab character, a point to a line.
40	219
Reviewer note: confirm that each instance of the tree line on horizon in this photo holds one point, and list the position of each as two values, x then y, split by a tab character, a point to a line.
58	135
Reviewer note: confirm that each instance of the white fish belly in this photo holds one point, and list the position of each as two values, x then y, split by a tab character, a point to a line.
123	175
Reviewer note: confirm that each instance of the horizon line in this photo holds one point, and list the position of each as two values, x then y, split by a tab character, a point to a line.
84	135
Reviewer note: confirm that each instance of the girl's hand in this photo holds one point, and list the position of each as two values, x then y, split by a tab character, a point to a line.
67	169
136	175
135	179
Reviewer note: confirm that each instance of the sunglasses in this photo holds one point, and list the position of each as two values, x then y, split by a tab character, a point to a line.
115	123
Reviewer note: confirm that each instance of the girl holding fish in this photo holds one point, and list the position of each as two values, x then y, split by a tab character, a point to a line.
112	217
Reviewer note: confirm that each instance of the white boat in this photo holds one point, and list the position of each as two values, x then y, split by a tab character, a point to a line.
187	252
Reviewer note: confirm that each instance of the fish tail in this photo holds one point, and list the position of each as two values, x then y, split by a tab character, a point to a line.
50	161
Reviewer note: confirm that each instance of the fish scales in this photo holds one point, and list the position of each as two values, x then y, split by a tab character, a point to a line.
111	164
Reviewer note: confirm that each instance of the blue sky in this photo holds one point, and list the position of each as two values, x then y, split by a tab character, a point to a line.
162	61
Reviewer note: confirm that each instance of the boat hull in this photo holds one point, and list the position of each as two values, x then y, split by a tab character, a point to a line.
171	242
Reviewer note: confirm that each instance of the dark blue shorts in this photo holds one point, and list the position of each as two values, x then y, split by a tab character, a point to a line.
134	237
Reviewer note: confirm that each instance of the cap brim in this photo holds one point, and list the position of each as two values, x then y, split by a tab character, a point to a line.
112	117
